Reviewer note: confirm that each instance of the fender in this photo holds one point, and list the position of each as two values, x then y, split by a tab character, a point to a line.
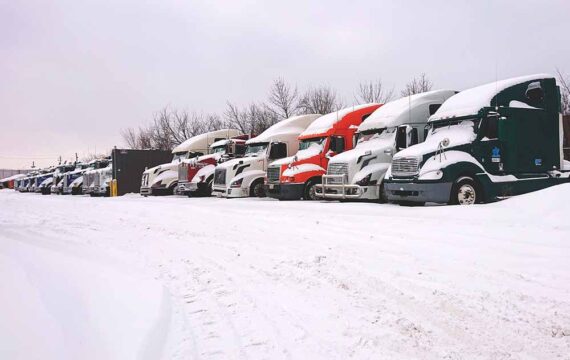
204	173
248	177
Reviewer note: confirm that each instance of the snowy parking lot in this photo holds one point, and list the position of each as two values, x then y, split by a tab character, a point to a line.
209	278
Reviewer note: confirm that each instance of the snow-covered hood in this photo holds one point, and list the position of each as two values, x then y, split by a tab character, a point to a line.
253	161
167	166
372	149
457	135
301	155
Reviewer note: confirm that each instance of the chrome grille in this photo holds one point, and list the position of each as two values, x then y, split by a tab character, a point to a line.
220	176
337	169
405	166
182	172
273	173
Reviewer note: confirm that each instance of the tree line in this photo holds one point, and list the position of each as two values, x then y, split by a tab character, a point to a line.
171	126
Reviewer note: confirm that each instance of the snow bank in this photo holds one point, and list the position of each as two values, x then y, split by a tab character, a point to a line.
66	305
266	279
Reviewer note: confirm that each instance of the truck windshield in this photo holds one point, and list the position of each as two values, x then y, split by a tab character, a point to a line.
443	125
180	156
307	143
255	149
219	149
369	134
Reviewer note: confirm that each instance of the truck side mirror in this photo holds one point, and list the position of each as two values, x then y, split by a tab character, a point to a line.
278	151
337	144
401	137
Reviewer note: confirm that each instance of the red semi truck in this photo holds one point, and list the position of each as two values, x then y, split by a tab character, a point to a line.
295	177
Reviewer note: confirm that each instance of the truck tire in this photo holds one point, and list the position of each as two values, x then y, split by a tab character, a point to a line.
310	189
465	191
257	189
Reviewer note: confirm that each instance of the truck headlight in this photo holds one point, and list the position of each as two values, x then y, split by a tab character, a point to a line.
365	181
236	183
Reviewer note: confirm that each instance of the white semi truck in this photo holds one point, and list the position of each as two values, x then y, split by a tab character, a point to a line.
163	179
358	173
245	176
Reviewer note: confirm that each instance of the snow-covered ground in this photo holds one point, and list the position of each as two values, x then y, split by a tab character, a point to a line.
208	278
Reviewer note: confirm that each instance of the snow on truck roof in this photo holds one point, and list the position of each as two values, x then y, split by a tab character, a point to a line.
291	126
202	142
325	122
470	101
405	109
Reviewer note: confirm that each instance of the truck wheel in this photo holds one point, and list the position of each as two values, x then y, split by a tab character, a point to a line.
310	190
465	191
257	189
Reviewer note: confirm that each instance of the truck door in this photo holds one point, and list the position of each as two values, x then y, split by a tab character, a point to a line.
489	149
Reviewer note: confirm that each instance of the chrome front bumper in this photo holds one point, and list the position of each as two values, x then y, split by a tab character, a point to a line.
336	187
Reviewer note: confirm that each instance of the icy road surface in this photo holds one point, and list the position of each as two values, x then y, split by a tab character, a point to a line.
179	278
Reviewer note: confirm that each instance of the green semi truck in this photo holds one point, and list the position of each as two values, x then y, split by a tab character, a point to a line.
486	143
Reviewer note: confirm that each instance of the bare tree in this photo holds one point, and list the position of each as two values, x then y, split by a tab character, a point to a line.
254	119
130	137
417	85
373	92
282	99
169	128
564	82
321	100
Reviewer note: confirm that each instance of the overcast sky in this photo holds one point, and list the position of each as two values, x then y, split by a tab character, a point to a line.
74	73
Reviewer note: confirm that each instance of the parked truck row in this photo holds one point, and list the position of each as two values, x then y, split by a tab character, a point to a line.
444	146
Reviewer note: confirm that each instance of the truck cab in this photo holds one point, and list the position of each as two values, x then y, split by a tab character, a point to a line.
244	177
298	176
101	184
483	144
89	174
73	180
357	174
196	176
163	179
58	178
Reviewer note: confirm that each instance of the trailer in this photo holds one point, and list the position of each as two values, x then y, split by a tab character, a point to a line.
357	174
298	176
126	168
486	143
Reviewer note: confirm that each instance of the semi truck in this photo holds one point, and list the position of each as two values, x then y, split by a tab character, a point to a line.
486	143
196	176
298	176
245	176
87	185
357	174
58	177
101	184
73	179
163	179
